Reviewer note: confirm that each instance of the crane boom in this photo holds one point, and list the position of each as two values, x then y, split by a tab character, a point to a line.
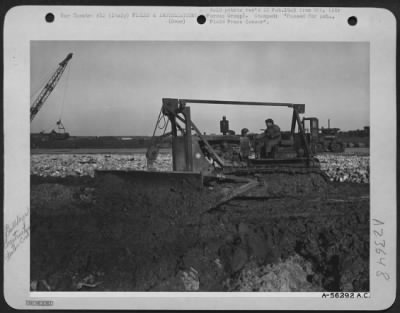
48	88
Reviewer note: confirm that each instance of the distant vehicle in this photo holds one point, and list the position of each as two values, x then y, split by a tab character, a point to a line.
322	139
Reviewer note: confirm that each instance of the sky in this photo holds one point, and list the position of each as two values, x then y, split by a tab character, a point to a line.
115	88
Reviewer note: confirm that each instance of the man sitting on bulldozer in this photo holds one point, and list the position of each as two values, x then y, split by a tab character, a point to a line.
271	138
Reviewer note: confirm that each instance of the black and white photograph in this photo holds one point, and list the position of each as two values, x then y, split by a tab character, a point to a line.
199	158
200	166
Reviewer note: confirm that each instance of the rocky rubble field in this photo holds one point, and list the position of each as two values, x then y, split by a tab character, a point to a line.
62	165
339	168
345	168
284	276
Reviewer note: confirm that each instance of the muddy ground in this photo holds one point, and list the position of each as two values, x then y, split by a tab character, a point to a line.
118	233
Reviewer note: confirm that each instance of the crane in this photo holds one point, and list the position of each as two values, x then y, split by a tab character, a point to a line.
48	88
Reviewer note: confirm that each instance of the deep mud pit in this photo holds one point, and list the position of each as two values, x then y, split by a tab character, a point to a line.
114	233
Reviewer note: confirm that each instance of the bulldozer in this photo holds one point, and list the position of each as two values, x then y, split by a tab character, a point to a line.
212	161
192	151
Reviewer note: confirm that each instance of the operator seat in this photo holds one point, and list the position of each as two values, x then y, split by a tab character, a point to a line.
287	139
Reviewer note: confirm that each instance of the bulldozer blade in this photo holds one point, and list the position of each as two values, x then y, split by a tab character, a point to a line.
168	193
231	194
155	178
156	200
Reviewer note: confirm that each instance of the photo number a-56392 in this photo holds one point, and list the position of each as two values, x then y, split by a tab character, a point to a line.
346	295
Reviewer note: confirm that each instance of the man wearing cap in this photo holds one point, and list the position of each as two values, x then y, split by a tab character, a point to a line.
272	136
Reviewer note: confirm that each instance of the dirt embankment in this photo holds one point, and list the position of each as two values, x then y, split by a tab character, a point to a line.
121	234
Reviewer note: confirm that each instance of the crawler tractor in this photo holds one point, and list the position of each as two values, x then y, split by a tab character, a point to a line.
193	151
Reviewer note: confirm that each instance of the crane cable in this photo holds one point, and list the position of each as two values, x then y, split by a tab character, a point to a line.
164	126
153	148
165	120
156	125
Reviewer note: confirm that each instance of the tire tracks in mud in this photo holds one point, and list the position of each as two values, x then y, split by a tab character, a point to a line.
328	228
331	232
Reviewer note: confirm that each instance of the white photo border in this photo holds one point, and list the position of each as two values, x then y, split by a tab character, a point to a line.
24	24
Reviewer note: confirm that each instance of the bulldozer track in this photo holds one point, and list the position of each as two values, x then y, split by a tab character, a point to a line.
348	200
291	170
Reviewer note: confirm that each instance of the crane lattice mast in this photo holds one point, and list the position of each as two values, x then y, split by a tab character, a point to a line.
48	88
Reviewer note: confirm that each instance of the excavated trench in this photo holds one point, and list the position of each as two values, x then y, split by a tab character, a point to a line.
118	233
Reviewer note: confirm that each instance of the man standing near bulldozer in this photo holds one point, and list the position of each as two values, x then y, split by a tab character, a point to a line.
271	137
245	145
